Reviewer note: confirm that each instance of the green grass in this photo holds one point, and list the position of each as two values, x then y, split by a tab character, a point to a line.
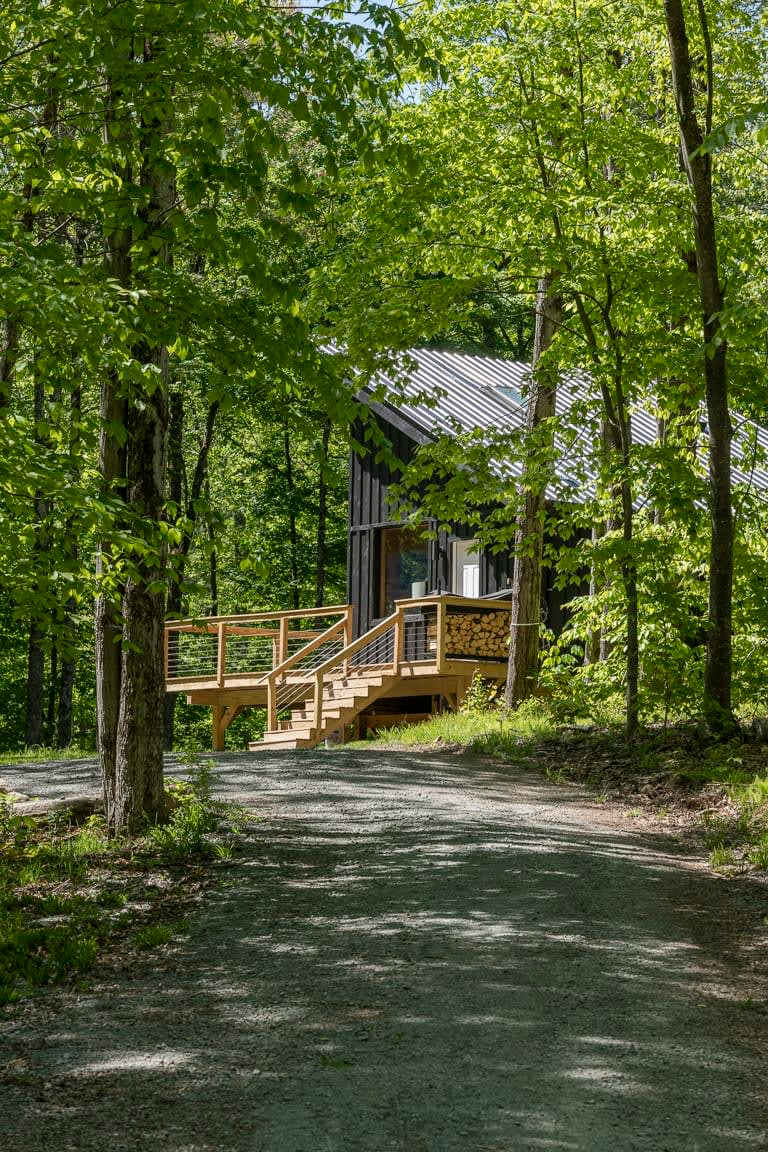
494	731
43	755
66	892
155	935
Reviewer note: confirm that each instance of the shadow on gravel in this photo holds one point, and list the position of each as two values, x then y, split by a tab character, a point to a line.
417	956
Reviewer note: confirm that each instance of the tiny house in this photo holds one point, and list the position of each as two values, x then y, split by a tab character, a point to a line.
386	560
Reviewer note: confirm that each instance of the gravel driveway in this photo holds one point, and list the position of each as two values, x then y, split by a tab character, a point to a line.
420	952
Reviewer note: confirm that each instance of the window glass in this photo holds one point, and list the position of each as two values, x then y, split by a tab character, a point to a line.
403	564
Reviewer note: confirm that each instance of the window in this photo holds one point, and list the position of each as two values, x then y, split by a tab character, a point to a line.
466	568
403	563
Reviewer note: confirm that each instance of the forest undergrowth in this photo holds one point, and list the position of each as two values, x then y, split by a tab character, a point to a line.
71	896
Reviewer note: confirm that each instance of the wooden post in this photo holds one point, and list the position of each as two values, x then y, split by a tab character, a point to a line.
398	643
282	644
318	700
271	705
441	622
165	654
219	713
348	622
221	655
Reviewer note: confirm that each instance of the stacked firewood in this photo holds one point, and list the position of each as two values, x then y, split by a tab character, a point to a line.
481	634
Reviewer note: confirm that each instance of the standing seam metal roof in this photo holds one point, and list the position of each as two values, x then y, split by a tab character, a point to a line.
476	392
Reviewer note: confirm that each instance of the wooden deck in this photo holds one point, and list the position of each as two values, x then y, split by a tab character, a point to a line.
315	680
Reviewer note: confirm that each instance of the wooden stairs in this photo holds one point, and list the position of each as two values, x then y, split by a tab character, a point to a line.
314	679
344	697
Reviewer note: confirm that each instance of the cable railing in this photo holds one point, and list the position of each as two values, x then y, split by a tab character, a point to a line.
245	648
294	686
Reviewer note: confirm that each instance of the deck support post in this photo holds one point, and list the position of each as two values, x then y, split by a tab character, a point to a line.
219	712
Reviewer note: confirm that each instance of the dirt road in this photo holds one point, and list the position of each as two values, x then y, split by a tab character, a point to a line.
420	953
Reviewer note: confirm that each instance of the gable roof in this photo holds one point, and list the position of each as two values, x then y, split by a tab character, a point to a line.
445	391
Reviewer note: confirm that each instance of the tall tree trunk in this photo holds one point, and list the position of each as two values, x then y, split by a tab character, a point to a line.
68	633
322	517
131	691
175	490
522	670
213	565
53	684
618	443
698	165
139	737
40	551
176	493
294	558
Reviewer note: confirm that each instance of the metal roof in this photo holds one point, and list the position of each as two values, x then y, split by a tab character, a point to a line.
442	391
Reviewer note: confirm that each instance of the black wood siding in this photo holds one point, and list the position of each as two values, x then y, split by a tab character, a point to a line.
371	508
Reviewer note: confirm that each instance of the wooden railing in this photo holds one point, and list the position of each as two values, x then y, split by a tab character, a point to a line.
291	656
244	649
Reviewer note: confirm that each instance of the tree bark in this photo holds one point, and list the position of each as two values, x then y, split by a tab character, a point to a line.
522	669
292	536
213	565
698	166
41	553
139	736
129	644
8	358
176	494
69	638
322	518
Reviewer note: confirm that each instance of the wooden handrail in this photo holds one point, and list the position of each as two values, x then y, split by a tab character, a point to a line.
356	645
289	613
319	640
451	599
343	656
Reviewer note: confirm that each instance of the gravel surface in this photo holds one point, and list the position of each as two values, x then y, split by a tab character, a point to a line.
421	953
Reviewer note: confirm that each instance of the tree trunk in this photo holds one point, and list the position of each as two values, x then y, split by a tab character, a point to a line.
139	736
175	489
53	684
63	735
35	671
294	559
117	131
698	165
42	566
593	642
322	517
130	671
523	662
8	358
176	494
64	718
213	567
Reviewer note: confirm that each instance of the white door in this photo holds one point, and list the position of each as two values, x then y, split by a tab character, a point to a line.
466	568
